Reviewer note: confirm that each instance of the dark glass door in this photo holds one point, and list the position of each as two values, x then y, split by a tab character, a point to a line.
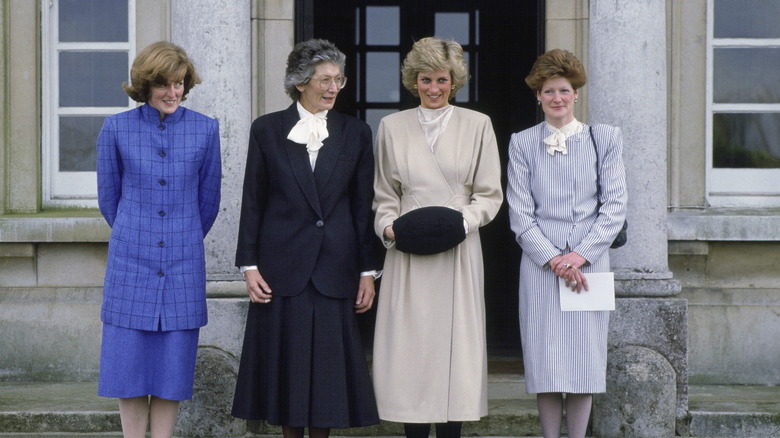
501	39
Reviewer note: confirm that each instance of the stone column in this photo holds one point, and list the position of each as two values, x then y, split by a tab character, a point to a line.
216	35
627	84
627	88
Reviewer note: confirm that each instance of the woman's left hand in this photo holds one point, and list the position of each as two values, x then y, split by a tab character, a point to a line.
567	266
366	293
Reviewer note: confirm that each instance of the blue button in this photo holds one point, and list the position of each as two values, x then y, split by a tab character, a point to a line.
161	126
161	274
162	182
320	224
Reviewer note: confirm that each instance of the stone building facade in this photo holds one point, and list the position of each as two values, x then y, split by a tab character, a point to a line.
696	283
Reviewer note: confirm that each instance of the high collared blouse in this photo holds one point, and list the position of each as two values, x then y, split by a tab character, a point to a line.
159	190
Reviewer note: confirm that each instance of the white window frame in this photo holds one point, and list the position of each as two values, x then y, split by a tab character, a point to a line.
758	188
70	189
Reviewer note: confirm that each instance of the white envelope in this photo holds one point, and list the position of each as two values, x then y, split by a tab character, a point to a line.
599	296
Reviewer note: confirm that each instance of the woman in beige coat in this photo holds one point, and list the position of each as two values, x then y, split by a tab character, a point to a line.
430	361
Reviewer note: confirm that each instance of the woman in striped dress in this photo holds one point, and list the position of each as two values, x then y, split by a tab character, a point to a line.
564	229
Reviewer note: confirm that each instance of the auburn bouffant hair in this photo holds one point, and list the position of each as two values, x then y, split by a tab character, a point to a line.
556	63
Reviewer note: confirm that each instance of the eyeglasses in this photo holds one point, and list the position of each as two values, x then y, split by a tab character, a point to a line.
326	82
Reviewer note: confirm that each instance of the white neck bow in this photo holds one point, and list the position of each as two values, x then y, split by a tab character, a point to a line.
311	130
556	141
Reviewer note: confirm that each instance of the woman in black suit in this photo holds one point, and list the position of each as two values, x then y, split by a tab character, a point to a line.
307	250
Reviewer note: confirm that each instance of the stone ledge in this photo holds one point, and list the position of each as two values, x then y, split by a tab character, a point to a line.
646	288
226	289
724	224
90	227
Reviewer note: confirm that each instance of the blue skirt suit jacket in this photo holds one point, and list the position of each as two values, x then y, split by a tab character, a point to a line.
159	190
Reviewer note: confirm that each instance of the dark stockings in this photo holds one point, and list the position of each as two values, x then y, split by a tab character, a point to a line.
450	429
297	432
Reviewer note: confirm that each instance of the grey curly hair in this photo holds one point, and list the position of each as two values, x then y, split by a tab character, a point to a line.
303	60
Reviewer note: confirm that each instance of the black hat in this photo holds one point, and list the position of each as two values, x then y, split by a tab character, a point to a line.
429	230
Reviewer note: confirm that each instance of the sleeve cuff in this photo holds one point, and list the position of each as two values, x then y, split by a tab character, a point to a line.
376	274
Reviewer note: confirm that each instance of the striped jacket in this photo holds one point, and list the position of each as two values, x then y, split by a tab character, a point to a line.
552	198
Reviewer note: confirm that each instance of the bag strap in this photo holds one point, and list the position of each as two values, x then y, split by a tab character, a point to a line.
598	166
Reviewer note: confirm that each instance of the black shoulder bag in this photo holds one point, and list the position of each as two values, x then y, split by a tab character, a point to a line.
622	236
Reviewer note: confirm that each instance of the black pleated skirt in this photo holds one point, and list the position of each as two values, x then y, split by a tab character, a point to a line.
303	364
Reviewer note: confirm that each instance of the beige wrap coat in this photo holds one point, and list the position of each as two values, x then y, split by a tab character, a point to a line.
430	356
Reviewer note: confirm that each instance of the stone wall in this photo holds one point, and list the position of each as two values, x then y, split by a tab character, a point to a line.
734	303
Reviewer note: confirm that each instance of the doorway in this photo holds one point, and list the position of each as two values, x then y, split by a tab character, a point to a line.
501	40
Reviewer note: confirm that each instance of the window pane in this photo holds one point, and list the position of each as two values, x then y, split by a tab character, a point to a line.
78	137
383	77
383	25
356	85
357	26
453	25
93	21
746	75
373	116
747	19
93	78
746	140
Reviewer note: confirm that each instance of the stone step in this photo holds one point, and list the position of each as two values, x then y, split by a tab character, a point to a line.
49	410
734	410
40	408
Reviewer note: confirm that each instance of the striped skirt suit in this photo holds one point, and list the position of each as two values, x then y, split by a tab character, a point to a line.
553	209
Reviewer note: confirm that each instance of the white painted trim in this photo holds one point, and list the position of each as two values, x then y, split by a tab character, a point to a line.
70	189
745	107
739	188
708	100
745	42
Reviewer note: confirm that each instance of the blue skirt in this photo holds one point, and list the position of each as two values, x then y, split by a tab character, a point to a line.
135	363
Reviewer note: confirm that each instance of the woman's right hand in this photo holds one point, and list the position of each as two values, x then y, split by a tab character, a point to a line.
389	234
256	287
567	266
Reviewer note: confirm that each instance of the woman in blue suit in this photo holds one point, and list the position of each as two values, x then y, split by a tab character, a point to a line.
159	178
306	247
565	225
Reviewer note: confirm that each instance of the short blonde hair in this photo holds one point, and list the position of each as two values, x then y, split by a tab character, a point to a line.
156	65
434	54
556	63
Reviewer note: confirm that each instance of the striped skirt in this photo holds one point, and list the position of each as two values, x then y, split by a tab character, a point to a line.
562	351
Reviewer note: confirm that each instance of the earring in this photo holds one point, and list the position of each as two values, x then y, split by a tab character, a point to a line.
575	100
415	86
539	102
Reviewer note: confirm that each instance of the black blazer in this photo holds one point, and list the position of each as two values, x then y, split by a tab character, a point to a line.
298	225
